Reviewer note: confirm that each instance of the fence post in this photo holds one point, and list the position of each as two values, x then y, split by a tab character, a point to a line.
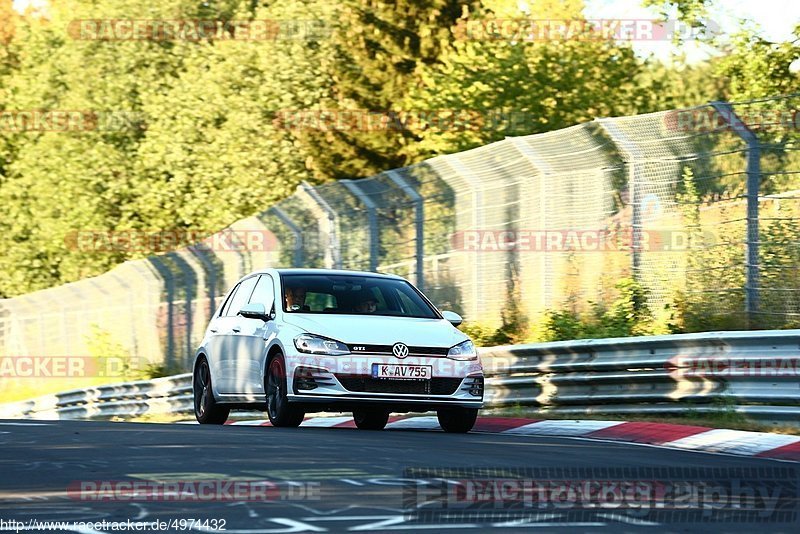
372	221
333	257
544	170
297	256
210	270
419	224
752	280
4	327
633	156
168	301
476	187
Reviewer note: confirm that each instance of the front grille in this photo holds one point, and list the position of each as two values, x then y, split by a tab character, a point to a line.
358	348
367	384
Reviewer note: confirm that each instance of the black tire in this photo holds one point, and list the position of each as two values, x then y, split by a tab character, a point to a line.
370	418
457	420
279	411
206	409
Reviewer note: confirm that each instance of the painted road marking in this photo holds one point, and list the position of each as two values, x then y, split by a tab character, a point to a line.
561	428
741	441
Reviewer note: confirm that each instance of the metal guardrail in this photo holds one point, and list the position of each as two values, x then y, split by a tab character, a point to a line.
171	394
756	373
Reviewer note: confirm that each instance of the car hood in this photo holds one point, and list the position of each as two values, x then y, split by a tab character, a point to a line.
376	330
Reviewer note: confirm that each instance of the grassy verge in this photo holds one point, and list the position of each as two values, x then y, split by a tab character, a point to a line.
157	418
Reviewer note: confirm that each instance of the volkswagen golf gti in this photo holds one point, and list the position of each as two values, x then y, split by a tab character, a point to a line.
294	341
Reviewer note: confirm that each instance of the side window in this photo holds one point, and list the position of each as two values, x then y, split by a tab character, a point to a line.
227	305
264	293
241	296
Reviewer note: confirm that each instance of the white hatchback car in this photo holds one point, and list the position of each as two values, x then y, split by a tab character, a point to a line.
307	340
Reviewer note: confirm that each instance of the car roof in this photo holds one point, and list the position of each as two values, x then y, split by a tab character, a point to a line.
327	271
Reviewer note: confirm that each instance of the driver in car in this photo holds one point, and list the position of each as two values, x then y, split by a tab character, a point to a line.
296	299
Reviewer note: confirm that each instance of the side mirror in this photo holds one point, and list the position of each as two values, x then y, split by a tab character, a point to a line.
454	318
254	310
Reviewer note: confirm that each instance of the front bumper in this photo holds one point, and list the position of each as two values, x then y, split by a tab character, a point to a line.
341	382
347	403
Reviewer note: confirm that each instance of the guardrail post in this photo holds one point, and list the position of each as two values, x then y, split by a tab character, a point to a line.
297	255
419	224
327	220
372	221
752	280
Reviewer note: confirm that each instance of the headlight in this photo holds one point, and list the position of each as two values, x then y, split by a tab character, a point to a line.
311	344
463	351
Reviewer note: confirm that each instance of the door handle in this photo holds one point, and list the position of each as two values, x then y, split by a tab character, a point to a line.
212	330
236	328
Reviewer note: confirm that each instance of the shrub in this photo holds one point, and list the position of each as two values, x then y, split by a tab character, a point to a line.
628	315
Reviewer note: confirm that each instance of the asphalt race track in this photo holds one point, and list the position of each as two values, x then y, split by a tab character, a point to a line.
326	480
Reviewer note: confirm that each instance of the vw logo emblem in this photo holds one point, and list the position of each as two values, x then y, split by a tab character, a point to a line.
400	350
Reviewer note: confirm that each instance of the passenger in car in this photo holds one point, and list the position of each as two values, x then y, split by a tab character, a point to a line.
367	304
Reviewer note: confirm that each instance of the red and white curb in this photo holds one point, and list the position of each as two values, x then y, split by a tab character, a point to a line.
688	437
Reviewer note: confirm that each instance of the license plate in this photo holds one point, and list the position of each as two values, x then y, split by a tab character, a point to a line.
402	372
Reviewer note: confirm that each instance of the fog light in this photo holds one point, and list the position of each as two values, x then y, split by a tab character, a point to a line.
308	378
474	386
304	379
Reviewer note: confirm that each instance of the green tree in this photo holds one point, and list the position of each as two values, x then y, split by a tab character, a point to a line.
692	12
197	147
215	150
379	49
757	68
518	87
8	62
62	182
680	84
749	65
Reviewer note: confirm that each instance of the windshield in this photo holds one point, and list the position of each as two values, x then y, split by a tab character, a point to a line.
353	295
